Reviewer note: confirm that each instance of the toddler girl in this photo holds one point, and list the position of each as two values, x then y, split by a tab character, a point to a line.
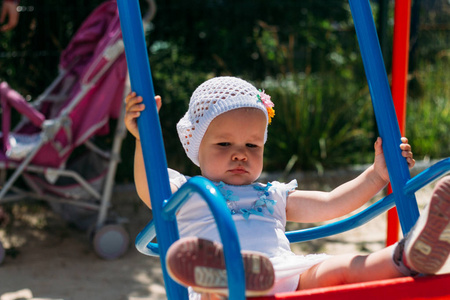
224	132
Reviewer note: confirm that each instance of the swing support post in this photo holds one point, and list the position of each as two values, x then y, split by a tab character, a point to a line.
400	58
150	133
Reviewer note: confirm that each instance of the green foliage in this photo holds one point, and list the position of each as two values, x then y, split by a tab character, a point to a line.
428	116
225	36
29	54
303	53
316	125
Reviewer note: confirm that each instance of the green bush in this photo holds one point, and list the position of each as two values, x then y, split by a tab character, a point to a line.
428	114
321	121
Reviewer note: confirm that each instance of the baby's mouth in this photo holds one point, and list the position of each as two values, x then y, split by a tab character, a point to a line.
238	170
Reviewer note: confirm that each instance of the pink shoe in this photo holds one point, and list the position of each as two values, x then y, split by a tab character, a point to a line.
427	247
200	264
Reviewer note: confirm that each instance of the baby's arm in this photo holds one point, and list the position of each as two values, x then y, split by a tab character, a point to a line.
134	107
314	206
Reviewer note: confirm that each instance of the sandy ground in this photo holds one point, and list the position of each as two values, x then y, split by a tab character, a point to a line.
55	261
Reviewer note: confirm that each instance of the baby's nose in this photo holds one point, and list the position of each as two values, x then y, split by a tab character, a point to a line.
239	156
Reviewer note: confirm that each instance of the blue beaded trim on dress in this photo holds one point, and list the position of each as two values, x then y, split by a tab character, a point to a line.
258	206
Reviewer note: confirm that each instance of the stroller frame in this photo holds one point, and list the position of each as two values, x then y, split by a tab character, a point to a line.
104	230
19	194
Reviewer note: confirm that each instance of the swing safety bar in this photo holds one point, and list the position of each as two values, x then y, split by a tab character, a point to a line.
165	206
296	236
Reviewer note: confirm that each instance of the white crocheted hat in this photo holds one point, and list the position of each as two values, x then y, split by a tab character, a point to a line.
212	98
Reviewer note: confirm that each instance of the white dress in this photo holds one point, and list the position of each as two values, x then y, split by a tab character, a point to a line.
259	212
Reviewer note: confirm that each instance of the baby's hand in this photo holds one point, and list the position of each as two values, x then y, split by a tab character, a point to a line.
133	109
407	153
380	162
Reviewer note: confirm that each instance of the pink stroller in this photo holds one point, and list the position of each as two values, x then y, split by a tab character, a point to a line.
70	114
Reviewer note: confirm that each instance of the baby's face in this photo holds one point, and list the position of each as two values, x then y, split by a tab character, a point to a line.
232	147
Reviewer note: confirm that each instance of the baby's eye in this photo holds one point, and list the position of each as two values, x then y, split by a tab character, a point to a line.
224	144
251	145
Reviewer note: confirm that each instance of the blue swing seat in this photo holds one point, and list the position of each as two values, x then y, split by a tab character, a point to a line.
165	205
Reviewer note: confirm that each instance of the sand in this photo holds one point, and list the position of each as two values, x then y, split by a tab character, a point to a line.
55	261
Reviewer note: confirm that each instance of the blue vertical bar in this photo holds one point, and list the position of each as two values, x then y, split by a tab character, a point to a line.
150	133
384	111
225	225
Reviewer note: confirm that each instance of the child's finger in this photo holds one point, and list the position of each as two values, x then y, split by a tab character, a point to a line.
411	162
407	154
136	108
409	158
130	96
158	102
134	104
378	146
405	147
132	115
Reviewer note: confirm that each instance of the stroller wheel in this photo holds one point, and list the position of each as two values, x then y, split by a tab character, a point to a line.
2	253
111	241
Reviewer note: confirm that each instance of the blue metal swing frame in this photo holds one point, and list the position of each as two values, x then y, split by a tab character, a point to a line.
165	205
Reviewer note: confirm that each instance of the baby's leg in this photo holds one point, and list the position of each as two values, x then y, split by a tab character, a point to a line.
424	250
344	269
